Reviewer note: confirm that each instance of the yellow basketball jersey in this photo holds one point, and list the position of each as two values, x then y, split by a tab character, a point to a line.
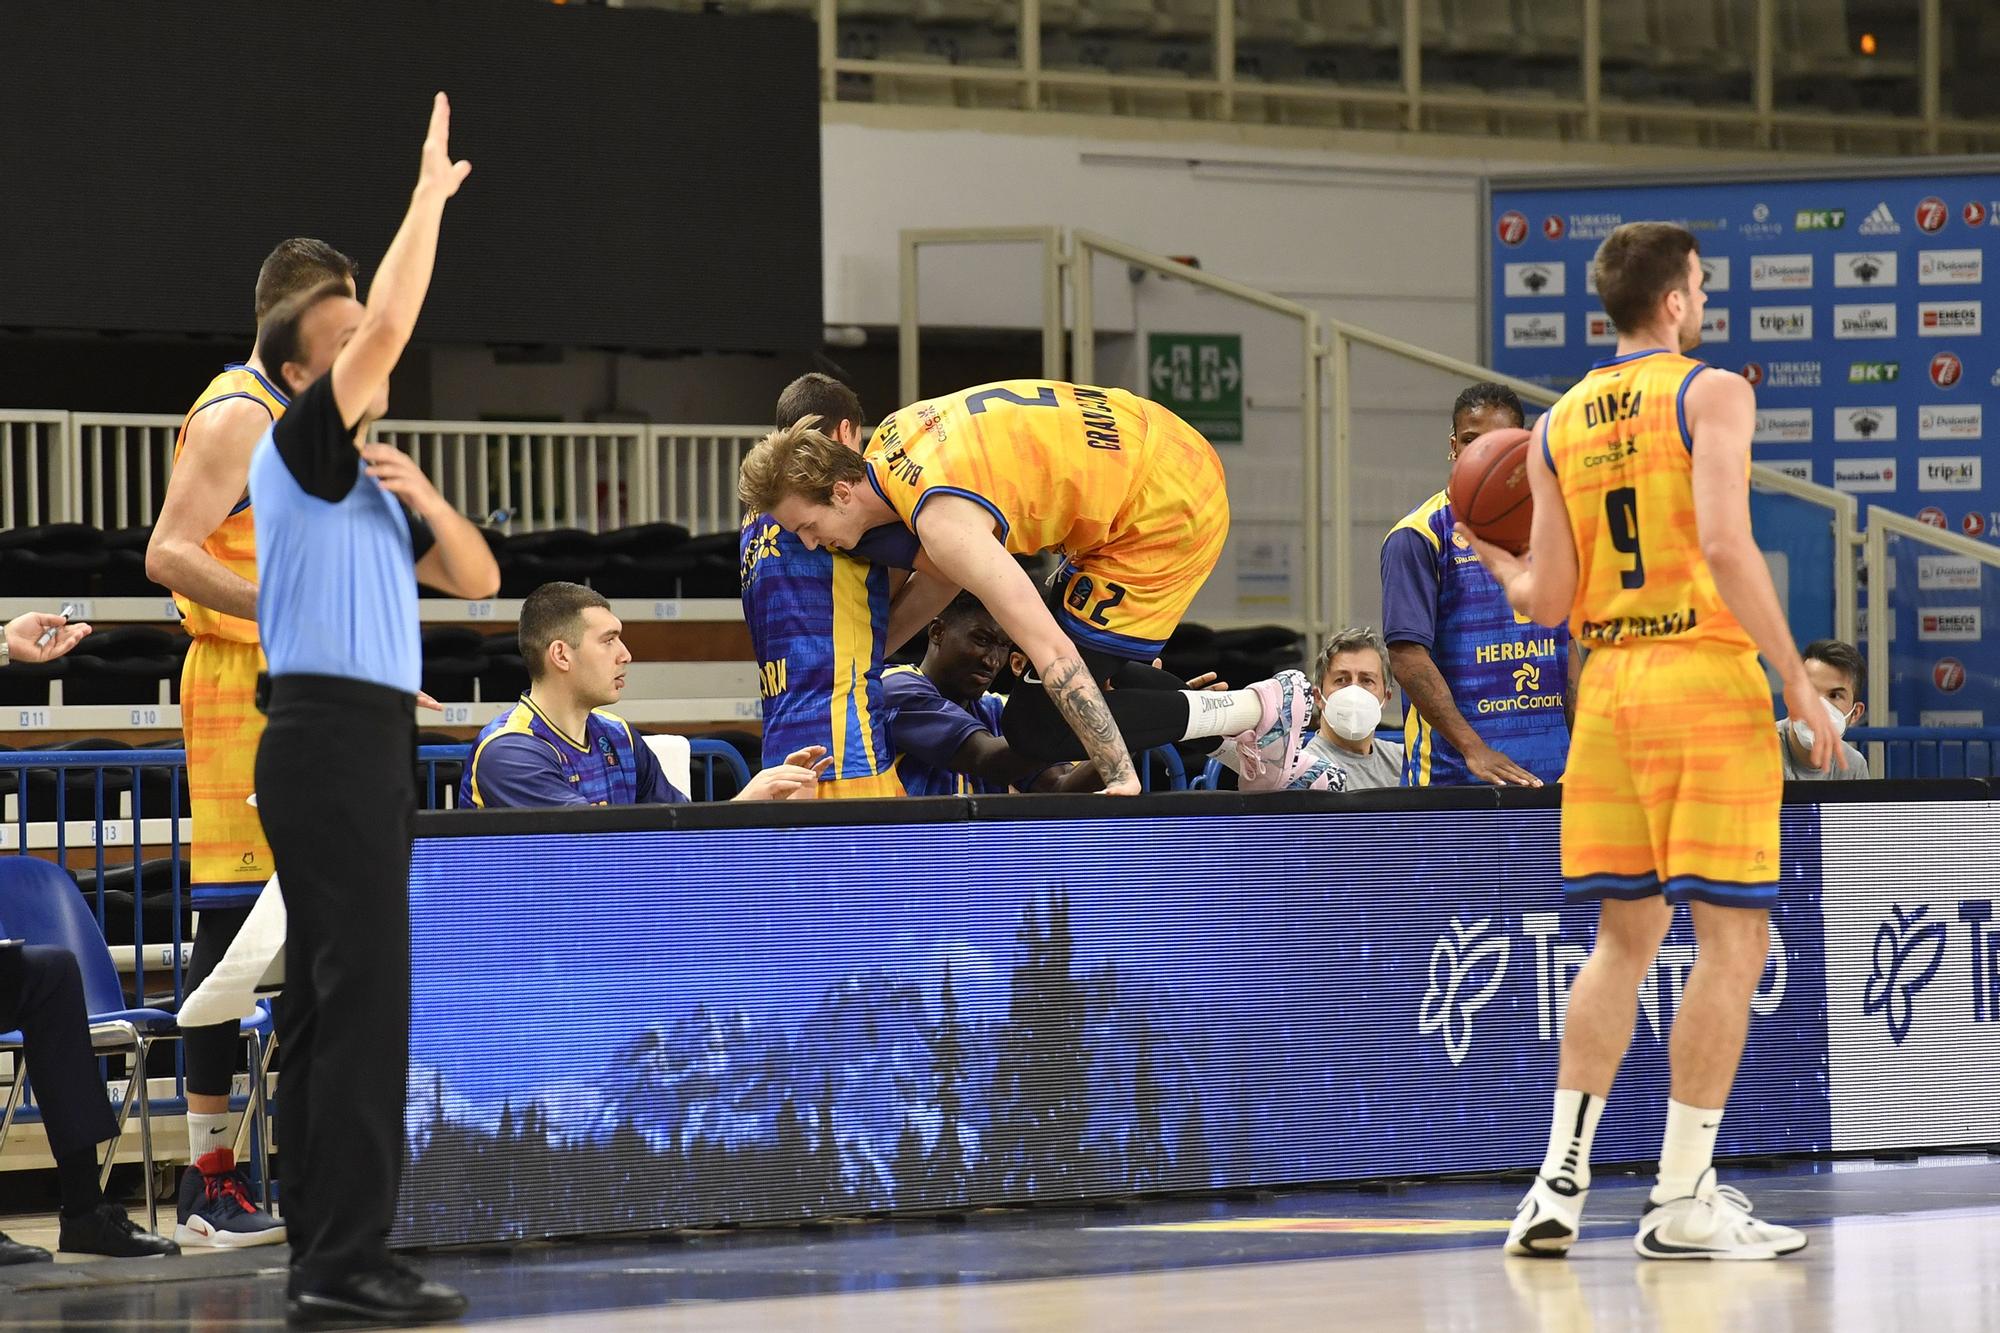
1055	463
234	542
1619	445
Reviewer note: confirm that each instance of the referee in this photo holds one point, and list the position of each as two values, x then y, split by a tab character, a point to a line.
344	532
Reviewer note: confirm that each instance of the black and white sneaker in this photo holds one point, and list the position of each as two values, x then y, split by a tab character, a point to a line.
1547	1222
1712	1223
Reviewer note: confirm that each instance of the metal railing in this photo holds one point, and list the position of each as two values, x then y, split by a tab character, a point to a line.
1882	525
110	470
1328	95
1930	752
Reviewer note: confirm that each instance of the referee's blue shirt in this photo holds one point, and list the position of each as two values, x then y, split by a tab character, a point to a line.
336	554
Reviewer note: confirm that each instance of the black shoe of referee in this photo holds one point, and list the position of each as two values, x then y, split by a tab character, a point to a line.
394	1294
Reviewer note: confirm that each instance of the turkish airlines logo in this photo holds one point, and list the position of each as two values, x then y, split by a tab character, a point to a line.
1931	214
1974	214
1946	369
1907	953
1754	373
1465	975
1513	228
1552	227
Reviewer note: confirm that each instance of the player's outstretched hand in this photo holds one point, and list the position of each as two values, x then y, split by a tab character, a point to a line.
1803	704
1489	765
24	636
439	172
397	473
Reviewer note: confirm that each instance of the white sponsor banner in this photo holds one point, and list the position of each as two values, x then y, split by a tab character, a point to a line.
1874	320
1864	474
1864	423
1714	274
1948	268
1777	273
1537	330
1537	279
1949	319
1910	1026
1959	473
1781	323
1783	425
1867	268
1947	573
1951	717
1938	422
1714	325
1599	331
1794	467
1948	624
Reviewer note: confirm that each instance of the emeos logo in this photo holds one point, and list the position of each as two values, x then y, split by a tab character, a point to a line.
1907	953
1453	995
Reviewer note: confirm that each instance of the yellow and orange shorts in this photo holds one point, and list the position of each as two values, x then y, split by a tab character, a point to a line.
221	726
885	783
1674	780
1128	597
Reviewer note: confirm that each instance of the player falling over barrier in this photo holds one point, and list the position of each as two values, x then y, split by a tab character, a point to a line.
1133	498
1640	531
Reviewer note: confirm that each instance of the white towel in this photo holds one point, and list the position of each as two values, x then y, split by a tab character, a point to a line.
229	993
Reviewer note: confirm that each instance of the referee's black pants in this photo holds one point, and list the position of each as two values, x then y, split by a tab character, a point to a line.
336	788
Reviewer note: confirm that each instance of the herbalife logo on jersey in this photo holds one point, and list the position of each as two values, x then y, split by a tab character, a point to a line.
1947	319
1864	423
1874	372
1781	323
1880	222
1820	219
1864	321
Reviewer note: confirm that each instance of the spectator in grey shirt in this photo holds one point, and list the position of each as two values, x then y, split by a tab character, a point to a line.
1345	754
1839	673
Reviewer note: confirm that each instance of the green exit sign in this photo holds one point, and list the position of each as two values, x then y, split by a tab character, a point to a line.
1199	376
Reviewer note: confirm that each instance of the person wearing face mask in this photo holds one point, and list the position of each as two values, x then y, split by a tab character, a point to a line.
1838	672
1353	676
560	746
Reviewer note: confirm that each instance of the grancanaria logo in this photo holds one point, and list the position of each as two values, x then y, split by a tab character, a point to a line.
1458	989
1527	676
1907	953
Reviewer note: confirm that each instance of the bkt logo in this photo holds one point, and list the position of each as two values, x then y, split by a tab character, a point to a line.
1909	950
1458	987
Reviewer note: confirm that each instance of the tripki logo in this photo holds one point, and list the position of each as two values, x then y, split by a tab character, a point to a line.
1469	964
1781	323
1946	369
1909	949
1949	474
1512	228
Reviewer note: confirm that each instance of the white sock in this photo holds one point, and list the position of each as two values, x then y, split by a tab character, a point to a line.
206	1133
1221	712
1571	1129
1687	1150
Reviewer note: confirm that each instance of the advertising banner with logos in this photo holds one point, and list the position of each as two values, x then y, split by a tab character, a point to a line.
655	1018
1854	304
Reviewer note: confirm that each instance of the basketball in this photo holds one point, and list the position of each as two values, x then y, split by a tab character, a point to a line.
1489	488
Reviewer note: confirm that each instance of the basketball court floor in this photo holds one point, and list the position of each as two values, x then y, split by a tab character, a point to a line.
1894	1245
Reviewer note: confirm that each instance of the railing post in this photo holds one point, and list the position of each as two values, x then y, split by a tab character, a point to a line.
1767	21
1593	70
906	329
829	49
1341	353
1031	55
1413	65
1083	299
1225	58
1930	39
1880	614
1052	305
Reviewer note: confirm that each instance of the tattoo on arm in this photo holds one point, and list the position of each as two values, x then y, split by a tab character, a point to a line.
1082	705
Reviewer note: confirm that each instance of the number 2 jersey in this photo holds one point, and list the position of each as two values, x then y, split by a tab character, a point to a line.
1619	445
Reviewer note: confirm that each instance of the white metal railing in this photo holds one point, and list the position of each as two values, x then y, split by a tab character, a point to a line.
110	470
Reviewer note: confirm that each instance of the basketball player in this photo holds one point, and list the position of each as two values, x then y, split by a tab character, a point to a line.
204	549
818	623
1130	494
1486	688
1641	537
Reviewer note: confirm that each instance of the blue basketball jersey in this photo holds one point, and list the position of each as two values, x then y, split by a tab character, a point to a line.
1506	674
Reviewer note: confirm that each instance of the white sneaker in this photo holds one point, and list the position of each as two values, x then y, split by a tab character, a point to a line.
1712	1223
1547	1222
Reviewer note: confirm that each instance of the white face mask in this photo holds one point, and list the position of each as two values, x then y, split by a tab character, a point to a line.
1837	720
1352	712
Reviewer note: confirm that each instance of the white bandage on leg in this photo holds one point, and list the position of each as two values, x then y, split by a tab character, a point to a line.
229	993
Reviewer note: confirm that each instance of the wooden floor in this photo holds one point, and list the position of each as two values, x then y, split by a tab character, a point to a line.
1893	1247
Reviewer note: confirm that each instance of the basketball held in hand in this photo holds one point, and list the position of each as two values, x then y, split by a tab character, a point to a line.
1489	488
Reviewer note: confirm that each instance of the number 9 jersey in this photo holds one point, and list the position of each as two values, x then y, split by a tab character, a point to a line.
1132	496
1619	445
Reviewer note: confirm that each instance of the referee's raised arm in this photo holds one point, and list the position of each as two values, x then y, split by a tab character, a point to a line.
361	372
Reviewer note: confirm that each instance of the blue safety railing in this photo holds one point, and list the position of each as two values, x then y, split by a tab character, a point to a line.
1933	752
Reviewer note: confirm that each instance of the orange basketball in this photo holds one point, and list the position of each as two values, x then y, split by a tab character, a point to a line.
1489	488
